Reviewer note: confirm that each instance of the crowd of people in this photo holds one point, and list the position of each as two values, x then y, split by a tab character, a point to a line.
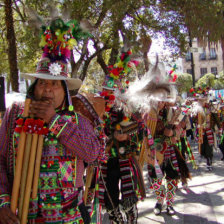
96	145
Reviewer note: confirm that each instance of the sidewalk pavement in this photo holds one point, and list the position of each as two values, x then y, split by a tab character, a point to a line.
204	203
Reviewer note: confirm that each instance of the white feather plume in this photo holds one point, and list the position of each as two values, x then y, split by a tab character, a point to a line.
145	93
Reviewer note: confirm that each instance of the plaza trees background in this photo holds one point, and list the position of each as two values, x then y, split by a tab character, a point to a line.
113	24
184	82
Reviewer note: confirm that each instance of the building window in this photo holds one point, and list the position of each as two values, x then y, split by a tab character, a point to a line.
188	56
189	71
214	70
212	54
203	71
202	56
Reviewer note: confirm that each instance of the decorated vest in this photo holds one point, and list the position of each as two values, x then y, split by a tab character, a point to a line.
58	199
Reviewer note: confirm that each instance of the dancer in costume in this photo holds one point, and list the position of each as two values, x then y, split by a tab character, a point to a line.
215	121
183	143
164	160
208	137
173	166
221	145
189	121
125	133
69	139
206	121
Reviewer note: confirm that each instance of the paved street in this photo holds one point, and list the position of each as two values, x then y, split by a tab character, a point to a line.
204	203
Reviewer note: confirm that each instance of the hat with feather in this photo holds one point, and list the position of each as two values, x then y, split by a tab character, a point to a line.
117	77
57	41
151	88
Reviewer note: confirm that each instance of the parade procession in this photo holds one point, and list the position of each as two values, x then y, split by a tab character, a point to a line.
105	133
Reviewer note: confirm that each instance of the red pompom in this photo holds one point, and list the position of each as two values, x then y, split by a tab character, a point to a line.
111	97
20	121
18	129
104	93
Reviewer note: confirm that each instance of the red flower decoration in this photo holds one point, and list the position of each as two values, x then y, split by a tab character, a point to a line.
122	56
174	78
116	71
104	93
191	90
111	97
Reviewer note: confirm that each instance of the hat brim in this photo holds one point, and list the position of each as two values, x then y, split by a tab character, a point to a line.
72	83
108	88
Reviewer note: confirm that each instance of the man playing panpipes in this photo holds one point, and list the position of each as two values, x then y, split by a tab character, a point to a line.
69	140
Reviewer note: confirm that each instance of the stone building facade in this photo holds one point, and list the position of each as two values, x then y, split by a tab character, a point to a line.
206	60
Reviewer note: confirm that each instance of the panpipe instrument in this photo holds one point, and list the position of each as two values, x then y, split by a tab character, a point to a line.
200	131
151	124
89	177
27	168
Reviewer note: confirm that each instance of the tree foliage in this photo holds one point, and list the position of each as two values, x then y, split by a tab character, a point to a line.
115	24
207	80
184	82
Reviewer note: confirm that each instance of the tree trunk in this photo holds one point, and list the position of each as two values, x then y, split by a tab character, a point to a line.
102	63
146	44
8	86
115	49
12	53
222	46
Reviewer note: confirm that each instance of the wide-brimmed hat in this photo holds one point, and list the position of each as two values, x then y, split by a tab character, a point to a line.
57	70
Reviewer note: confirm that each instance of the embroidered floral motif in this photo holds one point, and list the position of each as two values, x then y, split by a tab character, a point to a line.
55	69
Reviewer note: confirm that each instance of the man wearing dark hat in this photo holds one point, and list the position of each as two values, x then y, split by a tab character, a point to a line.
69	142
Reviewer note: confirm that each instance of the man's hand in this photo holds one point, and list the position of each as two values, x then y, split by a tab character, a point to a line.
120	137
43	110
7	216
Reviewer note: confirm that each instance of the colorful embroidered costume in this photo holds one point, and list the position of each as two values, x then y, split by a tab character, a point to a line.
71	141
121	166
171	168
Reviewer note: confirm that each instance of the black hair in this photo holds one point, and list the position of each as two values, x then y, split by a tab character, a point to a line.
30	91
